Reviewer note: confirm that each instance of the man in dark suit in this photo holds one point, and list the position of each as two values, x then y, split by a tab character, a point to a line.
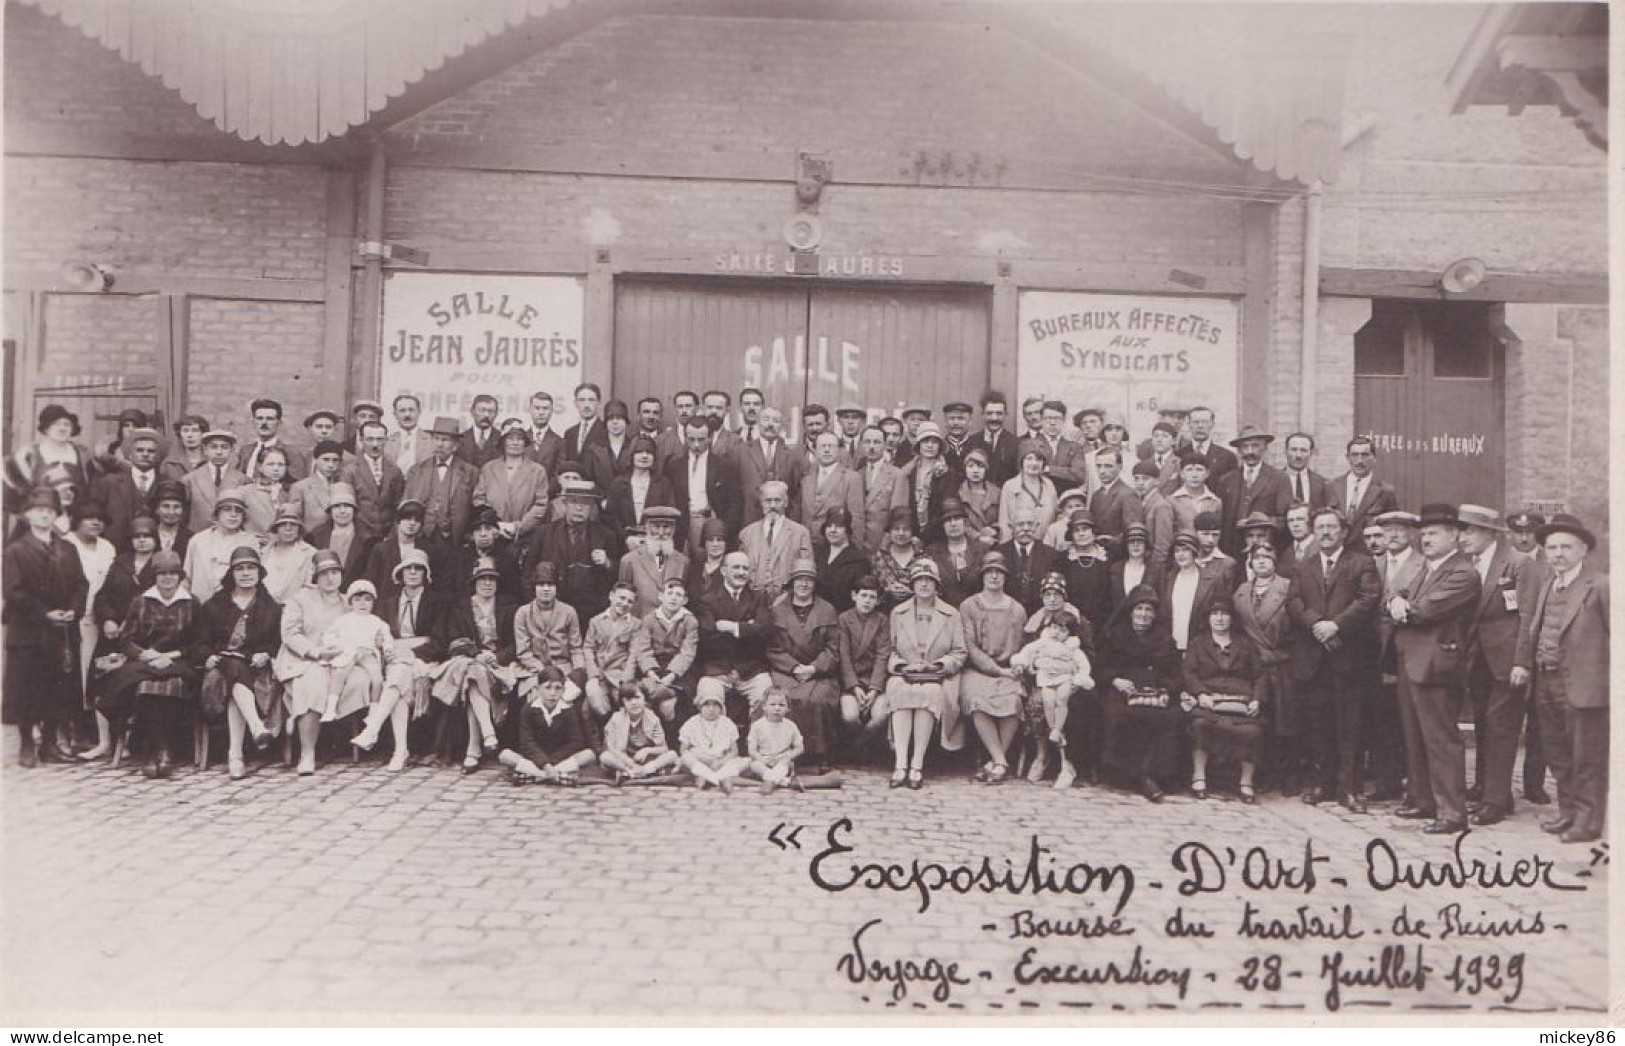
670	443
719	493
1431	623
766	458
1219	460
480	443
1562	656
267	415
1251	487
1505	577
1029	560
996	440
546	446
444	483
583	552
379	485
1340	589
590	429
736	624
1304	484
130	492
1358	494
1068	466
1115	506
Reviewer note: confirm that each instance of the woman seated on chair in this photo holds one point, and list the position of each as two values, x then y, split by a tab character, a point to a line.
476	634
240	628
1223	699
411	614
307	663
157	683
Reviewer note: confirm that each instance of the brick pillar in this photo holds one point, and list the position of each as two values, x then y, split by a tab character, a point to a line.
1539	397
1340	320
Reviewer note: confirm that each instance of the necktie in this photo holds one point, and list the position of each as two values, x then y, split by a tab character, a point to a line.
767	454
1252	474
1297	488
770	526
408	617
218	478
660	561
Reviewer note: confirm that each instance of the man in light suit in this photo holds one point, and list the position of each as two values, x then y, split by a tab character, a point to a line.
1340	589
774	542
1251	487
311	495
766	458
1563	656
1358	494
827	484
1505	577
1430	633
409	443
1304	484
444	484
378	483
881	491
515	486
648	567
208	481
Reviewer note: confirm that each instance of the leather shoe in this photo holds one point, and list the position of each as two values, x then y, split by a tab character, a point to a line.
1490	813
1415	813
1557	825
1538	796
1581	835
1314	794
1474	793
1151	790
1353	803
1444	827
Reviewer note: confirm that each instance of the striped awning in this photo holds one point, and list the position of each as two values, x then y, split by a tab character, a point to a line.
297	71
291	71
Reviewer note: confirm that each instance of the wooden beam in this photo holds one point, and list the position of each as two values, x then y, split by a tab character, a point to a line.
358	368
144	281
1497	286
919	167
25	139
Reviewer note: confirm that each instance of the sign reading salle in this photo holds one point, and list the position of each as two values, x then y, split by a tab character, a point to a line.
1129	354
448	337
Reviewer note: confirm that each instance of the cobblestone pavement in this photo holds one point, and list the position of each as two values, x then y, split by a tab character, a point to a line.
400	897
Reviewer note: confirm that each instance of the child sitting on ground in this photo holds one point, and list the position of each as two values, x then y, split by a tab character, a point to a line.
774	743
366	648
634	740
710	743
1058	664
553	745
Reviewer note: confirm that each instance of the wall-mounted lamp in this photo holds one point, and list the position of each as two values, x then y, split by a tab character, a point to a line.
87	277
1463	276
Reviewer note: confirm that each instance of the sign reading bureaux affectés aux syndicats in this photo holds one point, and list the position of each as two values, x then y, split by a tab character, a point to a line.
1129	354
448	337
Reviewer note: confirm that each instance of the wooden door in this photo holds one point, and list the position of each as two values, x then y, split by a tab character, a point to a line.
1429	390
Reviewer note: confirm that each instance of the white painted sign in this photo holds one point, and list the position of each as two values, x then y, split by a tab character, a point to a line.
448	337
1128	355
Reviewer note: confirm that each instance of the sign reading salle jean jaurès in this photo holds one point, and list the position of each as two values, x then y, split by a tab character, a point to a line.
1129	354
448	337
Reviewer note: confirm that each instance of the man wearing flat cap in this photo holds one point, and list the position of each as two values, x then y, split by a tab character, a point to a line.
445	484
956	434
1431	625
1250	487
312	494
1505	578
217	474
1562	656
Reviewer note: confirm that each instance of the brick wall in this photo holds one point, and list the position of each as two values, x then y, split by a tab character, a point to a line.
244	349
1586	329
188	219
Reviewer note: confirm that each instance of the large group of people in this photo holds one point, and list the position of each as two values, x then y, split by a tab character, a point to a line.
706	601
